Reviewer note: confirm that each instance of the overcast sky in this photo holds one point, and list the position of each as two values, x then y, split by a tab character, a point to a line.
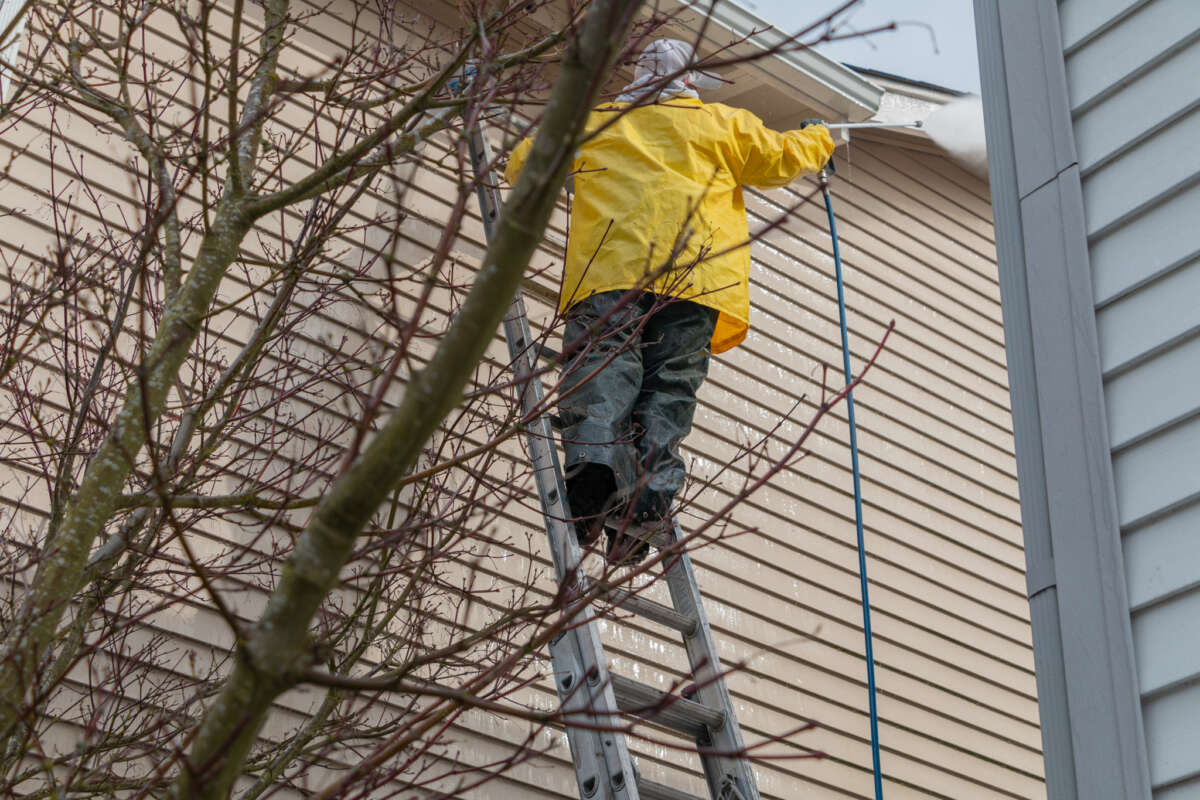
909	51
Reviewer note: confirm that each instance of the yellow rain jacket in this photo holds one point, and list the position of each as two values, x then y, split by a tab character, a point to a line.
670	176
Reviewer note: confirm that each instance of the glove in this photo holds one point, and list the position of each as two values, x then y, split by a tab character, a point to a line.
829	165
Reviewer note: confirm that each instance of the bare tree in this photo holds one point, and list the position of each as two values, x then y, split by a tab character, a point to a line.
196	429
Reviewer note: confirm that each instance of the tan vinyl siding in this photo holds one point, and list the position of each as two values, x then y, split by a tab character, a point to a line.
955	671
955	619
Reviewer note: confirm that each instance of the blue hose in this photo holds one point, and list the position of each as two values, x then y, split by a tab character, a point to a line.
858	514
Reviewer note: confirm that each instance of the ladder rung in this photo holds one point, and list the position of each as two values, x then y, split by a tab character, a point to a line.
649	790
655	612
675	712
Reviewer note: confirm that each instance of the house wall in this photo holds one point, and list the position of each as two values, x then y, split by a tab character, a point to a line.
1130	69
954	661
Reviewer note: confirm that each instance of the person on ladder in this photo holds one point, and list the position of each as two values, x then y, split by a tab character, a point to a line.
659	172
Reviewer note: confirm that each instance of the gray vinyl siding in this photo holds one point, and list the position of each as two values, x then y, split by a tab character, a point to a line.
1132	81
1131	98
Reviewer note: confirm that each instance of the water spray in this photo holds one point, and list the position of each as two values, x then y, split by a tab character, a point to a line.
956	128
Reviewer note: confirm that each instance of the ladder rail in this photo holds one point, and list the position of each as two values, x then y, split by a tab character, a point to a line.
726	769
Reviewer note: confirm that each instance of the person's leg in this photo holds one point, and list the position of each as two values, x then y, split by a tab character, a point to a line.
675	356
599	387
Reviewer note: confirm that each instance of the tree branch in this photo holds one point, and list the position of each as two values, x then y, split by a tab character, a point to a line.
61	570
275	655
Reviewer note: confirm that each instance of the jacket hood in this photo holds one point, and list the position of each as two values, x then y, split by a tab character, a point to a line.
663	58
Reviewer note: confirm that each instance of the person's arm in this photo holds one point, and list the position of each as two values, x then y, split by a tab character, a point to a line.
770	158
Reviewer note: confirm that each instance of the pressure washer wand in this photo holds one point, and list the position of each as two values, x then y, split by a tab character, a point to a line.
839	125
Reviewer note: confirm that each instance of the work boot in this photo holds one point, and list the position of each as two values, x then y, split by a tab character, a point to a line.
631	545
625	549
591	493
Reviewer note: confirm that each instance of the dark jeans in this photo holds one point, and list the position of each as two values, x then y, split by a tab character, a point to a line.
630	394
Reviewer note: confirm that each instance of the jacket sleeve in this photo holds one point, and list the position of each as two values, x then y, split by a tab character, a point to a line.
516	161
770	158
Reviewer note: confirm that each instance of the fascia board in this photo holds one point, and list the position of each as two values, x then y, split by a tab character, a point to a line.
923	93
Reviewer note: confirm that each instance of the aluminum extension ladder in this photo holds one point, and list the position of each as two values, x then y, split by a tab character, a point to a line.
588	692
